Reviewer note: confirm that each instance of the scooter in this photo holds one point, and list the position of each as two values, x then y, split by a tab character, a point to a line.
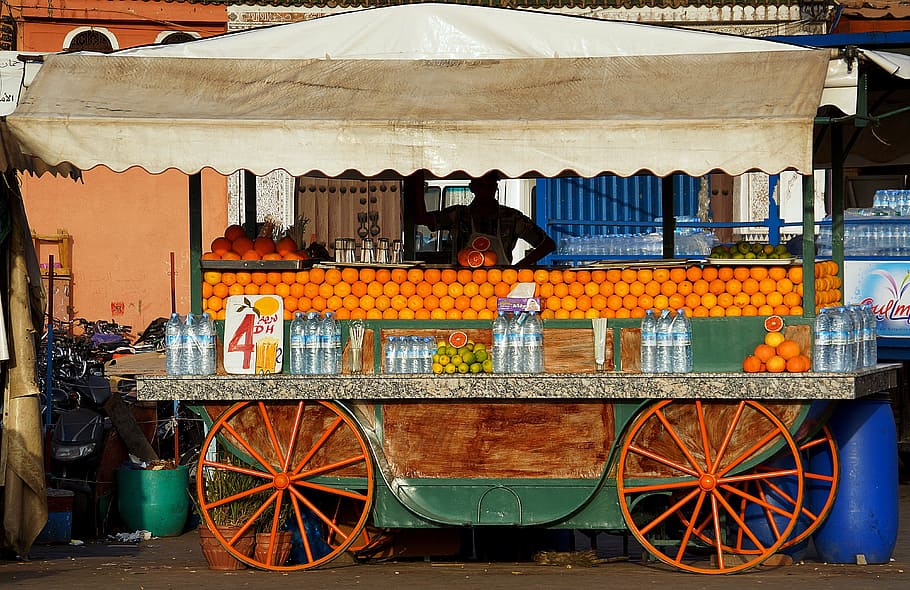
77	449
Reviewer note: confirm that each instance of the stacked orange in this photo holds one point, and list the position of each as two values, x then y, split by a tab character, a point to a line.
456	294
235	245
827	284
777	354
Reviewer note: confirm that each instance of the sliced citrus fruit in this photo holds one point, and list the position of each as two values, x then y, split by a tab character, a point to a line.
475	259
481	243
458	339
774	323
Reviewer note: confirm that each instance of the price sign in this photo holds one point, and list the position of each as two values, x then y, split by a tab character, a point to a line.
253	334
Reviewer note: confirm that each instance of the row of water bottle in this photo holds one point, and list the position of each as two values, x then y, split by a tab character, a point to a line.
409	354
189	345
518	343
897	199
869	234
698	243
315	343
844	339
666	342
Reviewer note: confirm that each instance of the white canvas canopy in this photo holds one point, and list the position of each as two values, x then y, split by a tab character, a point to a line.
446	88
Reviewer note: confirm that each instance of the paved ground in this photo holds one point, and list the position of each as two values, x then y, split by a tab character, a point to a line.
176	562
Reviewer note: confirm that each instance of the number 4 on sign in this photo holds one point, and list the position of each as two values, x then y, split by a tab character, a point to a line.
242	340
253	334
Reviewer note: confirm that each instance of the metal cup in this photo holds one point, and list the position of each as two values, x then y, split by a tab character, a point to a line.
367	253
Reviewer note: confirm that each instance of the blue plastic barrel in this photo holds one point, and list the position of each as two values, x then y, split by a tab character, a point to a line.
862	524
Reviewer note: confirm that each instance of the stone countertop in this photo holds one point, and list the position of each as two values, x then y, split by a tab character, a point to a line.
592	386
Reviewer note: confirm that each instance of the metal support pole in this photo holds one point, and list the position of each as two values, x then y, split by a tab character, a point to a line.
669	224
195	211
837	195
249	203
809	245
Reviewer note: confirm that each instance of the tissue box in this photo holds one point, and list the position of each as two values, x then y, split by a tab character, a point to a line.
520	298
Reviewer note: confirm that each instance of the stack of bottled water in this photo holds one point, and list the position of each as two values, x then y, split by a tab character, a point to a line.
844	339
518	343
871	231
315	344
666	342
189	345
409	354
898	200
688	241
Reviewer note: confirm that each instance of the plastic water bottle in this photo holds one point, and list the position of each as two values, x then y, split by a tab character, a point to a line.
649	342
856	314
500	343
337	349
412	354
313	361
532	344
206	334
841	345
821	350
298	344
426	354
870	343
173	345
514	339
400	360
664	342
329	344
390	355
192	351
681	344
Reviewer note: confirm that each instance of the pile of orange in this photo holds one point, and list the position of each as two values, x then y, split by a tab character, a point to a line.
449	293
777	354
236	245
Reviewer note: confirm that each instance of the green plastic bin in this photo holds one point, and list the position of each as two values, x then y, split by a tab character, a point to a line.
153	500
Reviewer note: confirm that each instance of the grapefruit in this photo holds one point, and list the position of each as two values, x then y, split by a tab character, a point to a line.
774	323
481	243
475	259
458	339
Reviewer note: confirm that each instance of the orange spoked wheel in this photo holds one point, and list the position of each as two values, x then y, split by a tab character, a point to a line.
685	477
273	468
822	474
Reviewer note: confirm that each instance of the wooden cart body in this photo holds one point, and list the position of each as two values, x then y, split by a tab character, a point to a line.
550	450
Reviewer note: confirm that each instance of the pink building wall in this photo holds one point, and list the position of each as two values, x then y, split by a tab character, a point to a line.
123	225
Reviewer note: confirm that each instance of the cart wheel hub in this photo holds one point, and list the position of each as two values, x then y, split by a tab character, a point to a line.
282	481
707	482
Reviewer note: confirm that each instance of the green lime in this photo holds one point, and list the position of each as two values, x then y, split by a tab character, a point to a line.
457	360
449	369
476	367
479	347
481	355
488	366
468	357
463	368
451	350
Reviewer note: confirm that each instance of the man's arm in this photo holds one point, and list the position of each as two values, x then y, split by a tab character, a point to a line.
537	252
541	243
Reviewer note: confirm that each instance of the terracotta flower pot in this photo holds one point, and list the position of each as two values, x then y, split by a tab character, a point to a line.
282	548
217	556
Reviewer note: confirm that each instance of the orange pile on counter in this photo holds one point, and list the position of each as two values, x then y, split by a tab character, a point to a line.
464	294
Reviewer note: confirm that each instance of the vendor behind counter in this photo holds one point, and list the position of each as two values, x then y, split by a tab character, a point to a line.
485	217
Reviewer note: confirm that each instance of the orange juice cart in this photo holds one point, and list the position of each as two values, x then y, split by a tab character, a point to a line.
712	471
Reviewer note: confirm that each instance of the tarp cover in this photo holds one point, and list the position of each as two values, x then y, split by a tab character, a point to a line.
440	87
